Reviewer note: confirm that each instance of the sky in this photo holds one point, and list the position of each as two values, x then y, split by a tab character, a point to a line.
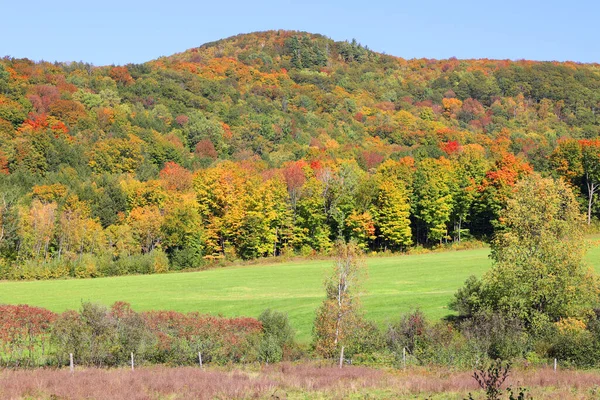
121	32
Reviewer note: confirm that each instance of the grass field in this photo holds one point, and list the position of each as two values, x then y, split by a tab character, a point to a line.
394	285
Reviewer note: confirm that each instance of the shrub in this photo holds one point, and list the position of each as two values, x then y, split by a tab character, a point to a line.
160	261
496	335
269	349
576	344
365	339
99	336
221	340
277	341
40	269
24	335
407	331
86	267
430	344
186	258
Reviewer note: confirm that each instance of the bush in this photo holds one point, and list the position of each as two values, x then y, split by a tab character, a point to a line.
24	335
365	339
269	349
220	340
160	261
407	331
430	344
576	344
40	269
98	336
496	335
470	298
86	267
276	324
186	258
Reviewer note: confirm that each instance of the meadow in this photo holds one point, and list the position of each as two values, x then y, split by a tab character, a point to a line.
284	381
394	285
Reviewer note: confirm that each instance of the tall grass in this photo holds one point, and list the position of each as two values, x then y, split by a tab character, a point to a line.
308	380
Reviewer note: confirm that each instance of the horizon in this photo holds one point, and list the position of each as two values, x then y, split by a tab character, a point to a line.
303	32
118	33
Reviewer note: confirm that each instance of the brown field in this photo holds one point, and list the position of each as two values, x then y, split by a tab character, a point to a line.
281	381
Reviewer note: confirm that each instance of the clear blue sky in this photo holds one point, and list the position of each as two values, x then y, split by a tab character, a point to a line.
119	32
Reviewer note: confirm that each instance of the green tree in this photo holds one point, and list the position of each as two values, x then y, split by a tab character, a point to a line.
433	198
538	258
590	152
392	214
469	171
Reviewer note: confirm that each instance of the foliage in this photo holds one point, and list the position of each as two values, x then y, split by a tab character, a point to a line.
278	142
339	314
538	269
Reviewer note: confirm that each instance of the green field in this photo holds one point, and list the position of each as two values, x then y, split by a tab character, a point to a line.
395	284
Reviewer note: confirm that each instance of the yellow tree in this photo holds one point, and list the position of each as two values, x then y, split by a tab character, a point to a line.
78	232
145	224
220	192
36	229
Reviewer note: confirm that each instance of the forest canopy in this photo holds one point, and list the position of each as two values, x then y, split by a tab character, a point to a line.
276	143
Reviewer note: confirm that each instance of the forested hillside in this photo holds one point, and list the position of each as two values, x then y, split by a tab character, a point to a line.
275	143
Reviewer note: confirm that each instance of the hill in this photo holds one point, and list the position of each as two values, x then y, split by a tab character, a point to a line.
270	143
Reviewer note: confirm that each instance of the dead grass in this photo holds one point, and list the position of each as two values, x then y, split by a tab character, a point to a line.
281	381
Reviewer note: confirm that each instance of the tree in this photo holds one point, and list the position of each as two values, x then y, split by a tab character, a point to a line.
145	223
116	155
538	258
433	205
339	313
469	173
494	191
590	152
36	229
392	214
579	163
176	177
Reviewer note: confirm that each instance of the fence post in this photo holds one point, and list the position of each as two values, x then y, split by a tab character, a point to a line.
200	359
132	365
342	357
71	366
555	365
404	357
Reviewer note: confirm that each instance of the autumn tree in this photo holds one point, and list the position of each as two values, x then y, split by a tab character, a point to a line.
77	231
116	155
145	224
36	229
259	227
311	216
221	192
495	190
176	177
339	314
